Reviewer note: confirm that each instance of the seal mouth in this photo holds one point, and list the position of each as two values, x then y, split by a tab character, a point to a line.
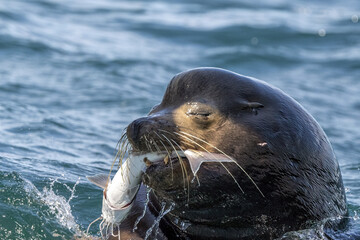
164	171
157	158
183	150
193	157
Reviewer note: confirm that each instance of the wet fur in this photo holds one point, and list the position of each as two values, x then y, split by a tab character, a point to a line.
284	177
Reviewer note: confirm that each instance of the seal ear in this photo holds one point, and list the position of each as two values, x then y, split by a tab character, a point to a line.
153	108
253	106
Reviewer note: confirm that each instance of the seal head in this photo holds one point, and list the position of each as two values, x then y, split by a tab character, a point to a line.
281	175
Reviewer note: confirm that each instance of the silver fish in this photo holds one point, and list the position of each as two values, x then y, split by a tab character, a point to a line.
120	192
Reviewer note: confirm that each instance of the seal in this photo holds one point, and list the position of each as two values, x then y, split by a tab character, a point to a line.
282	174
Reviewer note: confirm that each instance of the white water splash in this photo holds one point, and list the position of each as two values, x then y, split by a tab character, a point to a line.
58	205
144	211
355	217
156	223
107	230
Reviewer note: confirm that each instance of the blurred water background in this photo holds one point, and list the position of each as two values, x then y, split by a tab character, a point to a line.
73	74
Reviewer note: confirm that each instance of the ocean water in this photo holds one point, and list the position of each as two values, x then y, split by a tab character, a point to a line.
73	74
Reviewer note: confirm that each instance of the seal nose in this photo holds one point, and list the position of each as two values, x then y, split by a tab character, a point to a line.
133	131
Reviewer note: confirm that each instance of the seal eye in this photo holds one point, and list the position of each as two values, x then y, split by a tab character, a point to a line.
201	118
200	112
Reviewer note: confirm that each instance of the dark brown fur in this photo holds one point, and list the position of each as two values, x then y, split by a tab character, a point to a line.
275	141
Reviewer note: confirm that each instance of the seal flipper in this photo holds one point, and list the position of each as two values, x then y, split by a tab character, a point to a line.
196	158
100	180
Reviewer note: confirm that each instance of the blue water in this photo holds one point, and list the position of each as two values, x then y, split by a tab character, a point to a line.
73	74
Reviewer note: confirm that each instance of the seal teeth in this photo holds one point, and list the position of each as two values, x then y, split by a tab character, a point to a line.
147	162
166	159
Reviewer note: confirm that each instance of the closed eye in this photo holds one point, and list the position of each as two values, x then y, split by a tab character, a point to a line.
203	114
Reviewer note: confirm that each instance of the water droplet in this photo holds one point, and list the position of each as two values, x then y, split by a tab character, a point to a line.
184	225
322	32
356	217
355	18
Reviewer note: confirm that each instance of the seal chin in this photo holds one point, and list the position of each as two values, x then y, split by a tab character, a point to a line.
164	173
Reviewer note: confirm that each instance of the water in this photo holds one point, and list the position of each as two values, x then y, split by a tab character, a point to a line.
155	225
148	190
73	74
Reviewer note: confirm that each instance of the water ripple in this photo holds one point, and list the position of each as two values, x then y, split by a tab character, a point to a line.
73	74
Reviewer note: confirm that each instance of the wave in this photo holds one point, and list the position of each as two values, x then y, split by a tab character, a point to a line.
31	213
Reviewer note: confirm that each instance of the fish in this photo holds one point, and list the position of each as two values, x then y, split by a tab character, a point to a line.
120	192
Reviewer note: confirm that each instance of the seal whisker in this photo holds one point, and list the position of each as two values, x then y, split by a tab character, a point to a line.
122	138
242	169
119	153
123	151
169	155
183	169
148	143
175	135
121	157
180	160
155	144
233	177
187	177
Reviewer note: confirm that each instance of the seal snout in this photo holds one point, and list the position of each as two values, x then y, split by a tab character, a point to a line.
145	134
134	132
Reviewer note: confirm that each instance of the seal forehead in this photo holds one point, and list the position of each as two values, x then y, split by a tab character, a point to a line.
213	83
